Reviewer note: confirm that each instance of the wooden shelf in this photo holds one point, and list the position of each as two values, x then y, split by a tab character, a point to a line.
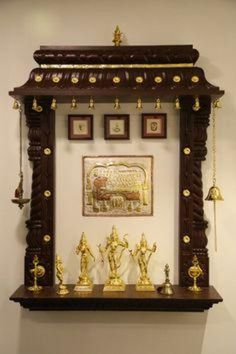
129	300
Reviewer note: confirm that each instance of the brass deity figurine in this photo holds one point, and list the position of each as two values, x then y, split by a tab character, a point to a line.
166	288
194	272
84	282
62	289
38	271
114	282
141	251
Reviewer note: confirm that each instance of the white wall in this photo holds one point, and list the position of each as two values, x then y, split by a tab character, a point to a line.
210	26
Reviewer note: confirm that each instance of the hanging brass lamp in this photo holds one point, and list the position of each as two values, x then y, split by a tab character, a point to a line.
19	192
214	193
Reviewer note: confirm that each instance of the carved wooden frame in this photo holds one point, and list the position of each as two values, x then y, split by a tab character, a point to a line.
193	135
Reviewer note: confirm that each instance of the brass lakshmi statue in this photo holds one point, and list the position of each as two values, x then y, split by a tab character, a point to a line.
143	252
114	255
84	282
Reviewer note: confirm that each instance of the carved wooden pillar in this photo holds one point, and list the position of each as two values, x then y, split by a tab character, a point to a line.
192	225
40	237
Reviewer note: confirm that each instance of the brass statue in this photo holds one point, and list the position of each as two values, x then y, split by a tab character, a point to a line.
117	37
114	282
62	289
194	272
84	283
38	271
166	288
141	251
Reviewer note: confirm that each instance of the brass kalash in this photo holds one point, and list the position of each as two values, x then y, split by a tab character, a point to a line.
114	248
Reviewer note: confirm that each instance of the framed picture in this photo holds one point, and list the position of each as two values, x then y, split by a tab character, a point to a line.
118	185
80	127
116	126
154	125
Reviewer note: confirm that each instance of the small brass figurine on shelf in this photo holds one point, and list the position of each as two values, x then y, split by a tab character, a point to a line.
114	282
38	271
84	282
194	272
62	289
141	250
166	288
117	37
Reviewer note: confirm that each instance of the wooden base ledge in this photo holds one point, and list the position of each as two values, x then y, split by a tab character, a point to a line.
129	300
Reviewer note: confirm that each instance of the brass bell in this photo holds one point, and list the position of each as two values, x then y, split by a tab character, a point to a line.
177	104
35	106
196	105
158	103
139	104
167	287
16	104
91	104
74	104
214	194
54	104
117	104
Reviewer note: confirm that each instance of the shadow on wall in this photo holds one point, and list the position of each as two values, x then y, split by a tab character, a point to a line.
111	332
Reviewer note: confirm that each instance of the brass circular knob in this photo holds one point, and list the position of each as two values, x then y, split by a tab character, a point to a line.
74	80
186	239
38	78
158	79
116	80
187	150
47	238
186	192
92	80
139	79
56	79
176	78
47	193
47	151
194	78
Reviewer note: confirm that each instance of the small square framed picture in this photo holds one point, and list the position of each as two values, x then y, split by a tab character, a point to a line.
154	125
80	127
116	126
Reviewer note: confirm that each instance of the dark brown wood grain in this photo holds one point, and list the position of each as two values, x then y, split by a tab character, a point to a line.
129	300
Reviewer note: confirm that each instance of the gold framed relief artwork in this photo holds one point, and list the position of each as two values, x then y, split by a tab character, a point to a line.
118	185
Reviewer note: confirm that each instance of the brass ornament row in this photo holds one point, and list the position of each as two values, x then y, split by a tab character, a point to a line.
139	105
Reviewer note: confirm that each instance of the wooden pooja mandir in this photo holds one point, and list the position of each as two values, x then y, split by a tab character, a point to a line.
128	73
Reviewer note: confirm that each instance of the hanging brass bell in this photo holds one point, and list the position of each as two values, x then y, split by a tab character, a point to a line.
196	105
74	104
35	106
54	104
158	103
117	104
91	104
139	104
16	104
214	194
177	104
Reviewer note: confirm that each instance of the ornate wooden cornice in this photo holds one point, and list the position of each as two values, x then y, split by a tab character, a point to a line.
127	72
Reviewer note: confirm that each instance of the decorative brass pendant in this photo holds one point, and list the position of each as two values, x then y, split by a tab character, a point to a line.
91	104
177	104
74	103
139	104
196	105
